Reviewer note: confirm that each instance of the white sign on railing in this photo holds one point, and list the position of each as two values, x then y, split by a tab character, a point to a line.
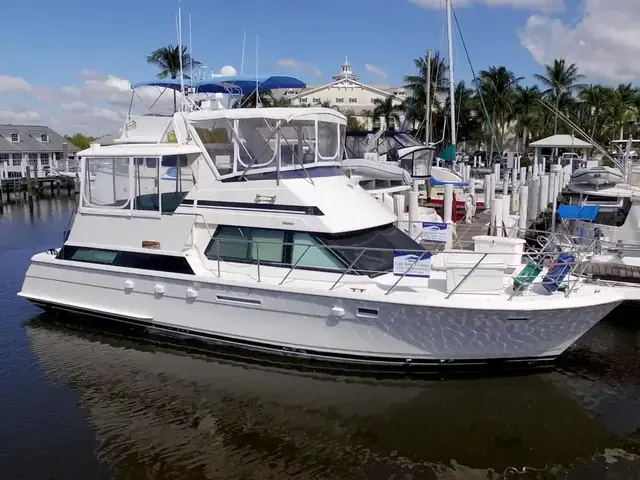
435	232
417	265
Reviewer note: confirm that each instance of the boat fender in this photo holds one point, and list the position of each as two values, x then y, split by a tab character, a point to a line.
337	312
128	285
191	293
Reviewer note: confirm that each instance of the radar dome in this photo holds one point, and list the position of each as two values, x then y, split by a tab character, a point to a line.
228	71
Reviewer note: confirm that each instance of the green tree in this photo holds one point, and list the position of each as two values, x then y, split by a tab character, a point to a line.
498	86
526	109
80	140
167	59
560	80
353	124
415	104
387	110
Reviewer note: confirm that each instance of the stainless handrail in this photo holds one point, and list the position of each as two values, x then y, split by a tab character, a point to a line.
404	274
348	269
293	267
578	250
466	276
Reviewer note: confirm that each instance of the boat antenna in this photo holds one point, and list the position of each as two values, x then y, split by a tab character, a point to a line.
190	53
180	48
244	42
257	90
452	87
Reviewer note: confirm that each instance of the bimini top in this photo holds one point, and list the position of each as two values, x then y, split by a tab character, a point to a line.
578	212
238	84
287	114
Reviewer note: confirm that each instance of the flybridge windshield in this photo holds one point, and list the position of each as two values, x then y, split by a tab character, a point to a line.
253	145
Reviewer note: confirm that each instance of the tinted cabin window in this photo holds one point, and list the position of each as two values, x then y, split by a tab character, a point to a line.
371	262
243	245
312	251
143	261
308	254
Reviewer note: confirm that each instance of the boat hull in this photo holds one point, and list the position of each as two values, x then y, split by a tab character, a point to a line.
305	324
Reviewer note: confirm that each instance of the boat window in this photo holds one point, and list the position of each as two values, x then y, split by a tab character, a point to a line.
106	182
146	184
240	244
374	261
312	251
258	142
143	261
217	139
105	257
298	143
308	254
328	141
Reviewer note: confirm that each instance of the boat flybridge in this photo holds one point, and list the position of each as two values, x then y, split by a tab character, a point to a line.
237	226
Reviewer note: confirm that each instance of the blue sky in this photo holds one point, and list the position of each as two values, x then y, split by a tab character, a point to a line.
66	45
116	36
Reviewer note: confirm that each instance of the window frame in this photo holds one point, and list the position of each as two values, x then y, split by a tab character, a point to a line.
17	136
44	137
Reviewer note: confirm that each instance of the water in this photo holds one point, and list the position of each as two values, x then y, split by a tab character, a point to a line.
89	402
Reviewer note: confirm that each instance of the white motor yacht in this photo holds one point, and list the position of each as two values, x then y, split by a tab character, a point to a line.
260	242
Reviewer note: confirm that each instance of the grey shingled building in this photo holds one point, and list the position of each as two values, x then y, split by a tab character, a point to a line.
37	146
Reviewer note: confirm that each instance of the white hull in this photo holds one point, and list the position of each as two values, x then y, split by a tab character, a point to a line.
291	320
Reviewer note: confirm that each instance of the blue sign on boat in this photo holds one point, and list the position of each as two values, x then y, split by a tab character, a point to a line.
411	264
434	232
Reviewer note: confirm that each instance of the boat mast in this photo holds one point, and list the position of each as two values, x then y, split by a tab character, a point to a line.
452	88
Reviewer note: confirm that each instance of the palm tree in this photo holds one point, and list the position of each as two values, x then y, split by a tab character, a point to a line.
415	104
167	59
525	110
559	79
595	99
497	86
387	110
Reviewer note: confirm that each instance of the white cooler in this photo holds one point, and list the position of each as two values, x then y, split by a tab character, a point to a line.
488	277
503	249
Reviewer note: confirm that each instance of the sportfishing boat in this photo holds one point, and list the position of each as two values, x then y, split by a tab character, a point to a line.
262	243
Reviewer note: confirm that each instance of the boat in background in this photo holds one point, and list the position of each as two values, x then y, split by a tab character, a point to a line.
597	176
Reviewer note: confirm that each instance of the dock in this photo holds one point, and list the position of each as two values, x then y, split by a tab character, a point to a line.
21	188
612	272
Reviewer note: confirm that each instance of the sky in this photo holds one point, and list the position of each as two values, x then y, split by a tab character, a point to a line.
69	64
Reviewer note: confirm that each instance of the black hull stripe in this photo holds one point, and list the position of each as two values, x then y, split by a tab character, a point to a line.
337	358
265	207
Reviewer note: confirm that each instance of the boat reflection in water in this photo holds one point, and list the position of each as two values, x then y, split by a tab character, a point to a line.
161	412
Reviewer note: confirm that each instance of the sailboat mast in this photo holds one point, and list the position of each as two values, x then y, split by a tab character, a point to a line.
452	88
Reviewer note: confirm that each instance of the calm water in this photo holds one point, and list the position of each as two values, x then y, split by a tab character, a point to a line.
88	403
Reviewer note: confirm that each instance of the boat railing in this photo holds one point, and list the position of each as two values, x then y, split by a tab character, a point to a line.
568	284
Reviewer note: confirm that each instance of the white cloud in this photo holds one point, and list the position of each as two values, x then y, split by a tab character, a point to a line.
376	71
14	84
96	106
604	43
19	116
303	68
543	5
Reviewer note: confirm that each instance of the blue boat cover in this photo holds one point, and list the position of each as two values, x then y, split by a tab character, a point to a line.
438	183
244	84
578	212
